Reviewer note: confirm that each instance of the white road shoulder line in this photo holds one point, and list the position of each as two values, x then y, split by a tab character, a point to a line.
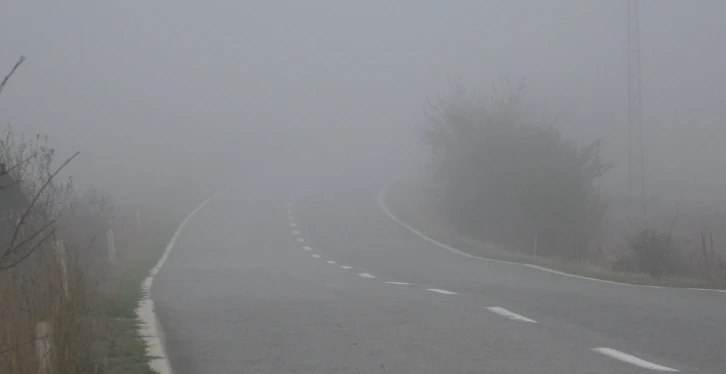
345	267
365	275
445	292
316	256
403	283
149	328
624	357
387	212
511	315
331	262
384	207
300	240
296	232
306	248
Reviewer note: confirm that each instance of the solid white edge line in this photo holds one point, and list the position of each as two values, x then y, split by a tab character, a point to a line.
509	314
306	248
387	212
438	290
330	262
149	328
316	256
366	275
345	267
402	283
384	207
624	357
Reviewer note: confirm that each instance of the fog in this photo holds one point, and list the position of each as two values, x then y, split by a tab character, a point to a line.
200	93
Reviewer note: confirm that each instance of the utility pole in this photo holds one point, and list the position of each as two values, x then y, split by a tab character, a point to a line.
636	152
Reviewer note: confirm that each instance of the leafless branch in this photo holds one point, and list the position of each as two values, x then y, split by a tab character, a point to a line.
37	196
90	243
7	77
27	159
10	251
26	255
31	341
9	185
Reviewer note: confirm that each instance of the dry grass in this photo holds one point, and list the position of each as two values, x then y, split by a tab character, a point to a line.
33	293
409	202
94	330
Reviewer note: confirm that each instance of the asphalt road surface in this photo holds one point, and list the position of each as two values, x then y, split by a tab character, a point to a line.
279	278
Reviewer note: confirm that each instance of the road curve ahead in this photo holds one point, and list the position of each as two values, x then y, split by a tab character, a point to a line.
274	279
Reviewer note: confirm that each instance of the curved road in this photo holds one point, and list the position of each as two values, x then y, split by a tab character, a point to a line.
270	278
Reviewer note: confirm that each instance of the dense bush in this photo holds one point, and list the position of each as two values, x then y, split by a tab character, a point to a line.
508	175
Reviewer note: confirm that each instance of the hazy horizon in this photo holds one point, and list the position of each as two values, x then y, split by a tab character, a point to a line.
204	91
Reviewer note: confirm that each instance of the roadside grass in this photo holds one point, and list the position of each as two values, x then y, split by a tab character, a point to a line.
407	201
120	296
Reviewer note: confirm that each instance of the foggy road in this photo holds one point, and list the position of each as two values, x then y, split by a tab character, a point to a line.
281	279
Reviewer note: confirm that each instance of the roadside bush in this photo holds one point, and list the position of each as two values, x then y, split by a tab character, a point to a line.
507	175
652	252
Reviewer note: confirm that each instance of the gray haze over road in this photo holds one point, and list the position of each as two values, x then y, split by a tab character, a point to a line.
323	100
325	282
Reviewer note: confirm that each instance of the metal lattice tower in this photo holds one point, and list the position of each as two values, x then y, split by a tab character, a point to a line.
636	157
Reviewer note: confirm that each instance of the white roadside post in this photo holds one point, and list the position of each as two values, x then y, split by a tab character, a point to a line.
109	237
111	246
60	253
44	346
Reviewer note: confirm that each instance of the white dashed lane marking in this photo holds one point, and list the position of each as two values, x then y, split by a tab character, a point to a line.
511	315
345	267
300	240
292	224
624	357
365	275
445	292
296	232
330	262
306	248
403	283
316	256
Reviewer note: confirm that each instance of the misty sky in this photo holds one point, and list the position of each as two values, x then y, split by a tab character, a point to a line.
222	85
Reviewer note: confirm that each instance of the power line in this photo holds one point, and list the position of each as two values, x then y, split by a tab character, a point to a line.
636	152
